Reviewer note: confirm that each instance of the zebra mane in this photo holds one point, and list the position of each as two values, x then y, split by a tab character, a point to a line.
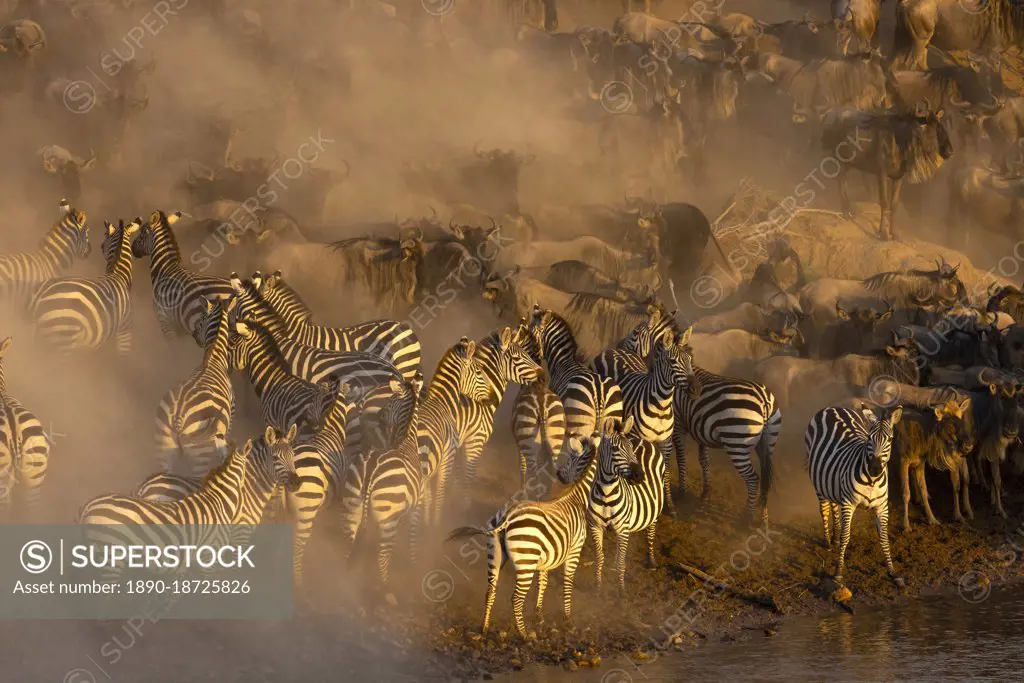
578	355
223	467
264	334
277	284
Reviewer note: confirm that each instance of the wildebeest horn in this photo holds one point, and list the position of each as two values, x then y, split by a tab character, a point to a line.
957	103
994	289
206	176
433	211
149	66
348	170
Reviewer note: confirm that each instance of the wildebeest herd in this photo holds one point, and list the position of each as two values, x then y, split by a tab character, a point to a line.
612	383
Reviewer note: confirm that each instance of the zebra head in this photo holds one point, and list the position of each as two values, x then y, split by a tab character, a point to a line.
218	311
674	346
514	363
73	223
616	452
472	382
580	450
283	299
145	243
397	411
279	454
880	439
114	238
242	342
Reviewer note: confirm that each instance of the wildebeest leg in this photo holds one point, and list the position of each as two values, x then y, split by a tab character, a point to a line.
844	192
905	481
965	477
997	486
895	186
923	488
885	206
954	480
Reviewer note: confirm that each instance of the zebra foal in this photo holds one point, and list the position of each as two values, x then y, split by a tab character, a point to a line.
848	459
538	537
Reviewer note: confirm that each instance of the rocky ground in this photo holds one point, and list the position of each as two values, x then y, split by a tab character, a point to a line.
782	565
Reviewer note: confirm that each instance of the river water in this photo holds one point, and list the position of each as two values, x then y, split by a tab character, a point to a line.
941	639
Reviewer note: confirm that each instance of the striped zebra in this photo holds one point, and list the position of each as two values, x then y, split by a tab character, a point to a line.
502	360
630	354
284	398
72	313
537	537
358	369
24	447
848	459
194	419
179	295
393	481
229	495
22	274
627	494
538	424
390	340
735	415
648	396
587	398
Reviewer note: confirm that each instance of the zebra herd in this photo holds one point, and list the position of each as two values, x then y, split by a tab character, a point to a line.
351	425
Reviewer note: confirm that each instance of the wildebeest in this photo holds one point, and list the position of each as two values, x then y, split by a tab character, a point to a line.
490	182
904	288
576	276
894	146
67	167
1004	125
639	66
513	294
854	81
856	19
980	197
995	425
22	41
630	267
737	352
803	39
988	26
1007	299
853	331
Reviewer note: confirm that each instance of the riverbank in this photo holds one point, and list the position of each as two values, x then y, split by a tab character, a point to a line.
666	608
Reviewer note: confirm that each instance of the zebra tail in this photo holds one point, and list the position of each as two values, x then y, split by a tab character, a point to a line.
764	457
466	532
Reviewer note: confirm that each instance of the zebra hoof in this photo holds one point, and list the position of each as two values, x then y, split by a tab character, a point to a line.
898	580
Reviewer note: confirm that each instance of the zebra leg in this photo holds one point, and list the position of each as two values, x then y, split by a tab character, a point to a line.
826	520
571	563
303	506
622	547
845	529
882	522
669	508
923	488
679	445
415	524
652	563
524	579
124	342
523	471
742	462
493	570
472	460
905	481
597	534
542	585
997	488
703	454
443	471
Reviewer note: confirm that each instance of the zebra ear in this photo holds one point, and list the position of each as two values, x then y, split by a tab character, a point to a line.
575	444
291	433
396	386
110	228
209	306
4	345
242	329
506	337
270	435
173	218
247	448
236	283
627	425
470	348
154	217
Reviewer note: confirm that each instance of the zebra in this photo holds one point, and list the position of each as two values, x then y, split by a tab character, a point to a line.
502	360
630	354
847	459
179	295
393	482
390	340
587	398
284	398
538	537
73	313
360	370
24	447
734	415
22	274
648	397
538	425
194	419
627	494
200	518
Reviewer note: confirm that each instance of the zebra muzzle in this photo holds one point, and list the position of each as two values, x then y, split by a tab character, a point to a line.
291	483
636	473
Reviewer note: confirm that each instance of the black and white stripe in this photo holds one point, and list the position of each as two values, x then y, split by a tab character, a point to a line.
24	449
72	313
194	419
179	295
735	415
627	494
587	398
390	340
538	425
848	460
22	274
538	537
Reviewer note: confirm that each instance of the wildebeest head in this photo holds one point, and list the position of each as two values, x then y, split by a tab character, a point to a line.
1008	299
60	162
930	130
